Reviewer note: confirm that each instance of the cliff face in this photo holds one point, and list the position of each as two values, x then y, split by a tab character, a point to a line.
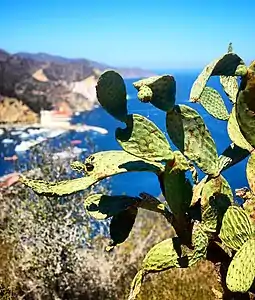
41	81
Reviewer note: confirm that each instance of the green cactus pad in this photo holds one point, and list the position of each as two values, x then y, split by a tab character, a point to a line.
211	100
200	242
163	89
145	94
178	190
108	163
111	94
236	228
231	156
241	271
142	138
230	86
245	106
197	191
216	187
250	172
170	254
98	166
225	65
101	206
151	203
216	198
189	133
235	133
60	188
178	194
121	225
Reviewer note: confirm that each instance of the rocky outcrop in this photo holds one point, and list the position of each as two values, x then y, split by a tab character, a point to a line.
41	81
14	111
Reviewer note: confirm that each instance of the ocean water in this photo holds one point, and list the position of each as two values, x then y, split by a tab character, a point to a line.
134	183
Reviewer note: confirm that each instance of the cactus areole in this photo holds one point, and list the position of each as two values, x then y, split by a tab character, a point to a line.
201	211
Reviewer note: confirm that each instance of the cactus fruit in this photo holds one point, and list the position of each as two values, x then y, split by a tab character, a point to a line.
236	228
225	65
245	106
235	133
145	94
189	133
230	86
101	206
211	100
241	271
142	138
112	95
163	90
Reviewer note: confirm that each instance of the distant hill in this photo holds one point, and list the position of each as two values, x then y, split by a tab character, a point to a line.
42	81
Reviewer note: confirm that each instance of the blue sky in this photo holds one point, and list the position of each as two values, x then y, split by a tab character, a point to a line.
149	34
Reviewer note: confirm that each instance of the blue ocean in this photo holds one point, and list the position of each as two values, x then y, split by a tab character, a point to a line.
134	183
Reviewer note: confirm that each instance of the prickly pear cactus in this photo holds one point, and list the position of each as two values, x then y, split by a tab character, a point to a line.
236	228
189	133
211	100
162	90
101	206
235	133
170	253
224	66
112	95
245	105
230	86
241	271
202	212
142	138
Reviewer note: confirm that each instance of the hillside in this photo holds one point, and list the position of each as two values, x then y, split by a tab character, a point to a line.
43	81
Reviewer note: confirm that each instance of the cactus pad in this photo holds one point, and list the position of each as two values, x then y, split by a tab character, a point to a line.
151	203
230	86
189	133
144	139
216	198
235	133
108	163
245	106
250	172
101	206
216	188
145	94
163	90
241	271
231	156
211	100
236	228
111	94
178	190
121	225
197	191
60	188
225	65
